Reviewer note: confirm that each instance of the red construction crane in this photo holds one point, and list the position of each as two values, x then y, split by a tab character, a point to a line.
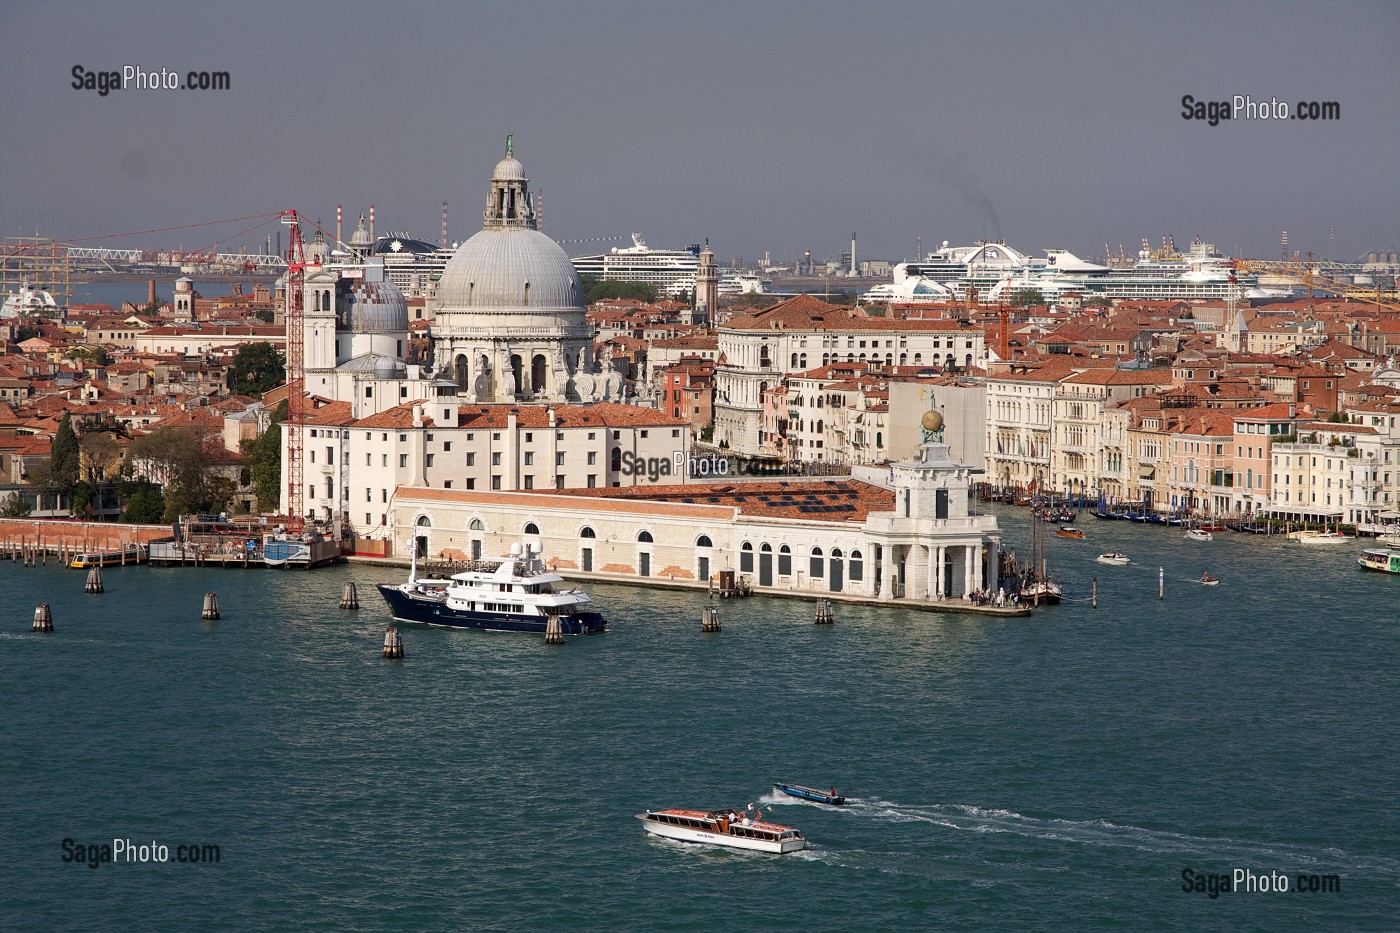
296	372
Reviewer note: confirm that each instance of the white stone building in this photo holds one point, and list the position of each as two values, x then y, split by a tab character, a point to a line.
758	349
915	542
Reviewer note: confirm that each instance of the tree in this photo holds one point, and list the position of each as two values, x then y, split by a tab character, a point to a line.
145	505
256	368
596	289
99	452
264	458
64	457
15	506
1026	298
176	455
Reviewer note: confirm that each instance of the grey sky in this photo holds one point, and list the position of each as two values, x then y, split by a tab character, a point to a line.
776	126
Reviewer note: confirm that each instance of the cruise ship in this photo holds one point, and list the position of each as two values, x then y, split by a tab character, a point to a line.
27	302
994	271
411	264
743	283
670	271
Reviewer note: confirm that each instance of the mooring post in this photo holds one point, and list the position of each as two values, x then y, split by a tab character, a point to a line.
349	598
709	619
94	581
1096	592
1161	583
393	644
211	606
43	618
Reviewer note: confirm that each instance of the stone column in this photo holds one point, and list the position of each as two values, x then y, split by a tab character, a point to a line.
993	565
936	560
886	589
968	571
929	584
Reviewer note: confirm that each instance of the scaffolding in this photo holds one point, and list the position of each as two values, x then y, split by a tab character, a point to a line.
40	262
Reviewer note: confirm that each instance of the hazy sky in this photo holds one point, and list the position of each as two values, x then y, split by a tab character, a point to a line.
778	126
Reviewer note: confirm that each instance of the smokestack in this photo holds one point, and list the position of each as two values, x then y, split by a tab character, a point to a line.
442	242
338	240
371	223
853	256
150	292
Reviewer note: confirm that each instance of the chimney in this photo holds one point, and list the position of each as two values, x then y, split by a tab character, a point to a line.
417	416
553	418
854	267
371	223
337	226
150	292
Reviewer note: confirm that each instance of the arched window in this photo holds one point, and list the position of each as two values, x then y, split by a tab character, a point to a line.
531	528
784	561
820	425
794	361
802	361
817	570
587	533
918	359
476	524
879	439
767	548
424	522
644	537
856	567
746	558
703	541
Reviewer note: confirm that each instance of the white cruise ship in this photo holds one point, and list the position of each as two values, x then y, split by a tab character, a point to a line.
670	271
27	302
995	270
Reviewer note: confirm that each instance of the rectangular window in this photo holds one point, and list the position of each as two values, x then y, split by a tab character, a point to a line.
367	459
430	459
592	480
369	494
592	457
496	482
471	483
403	460
447	484
383	459
559	481
529	437
383	495
471	459
644	433
529	458
559	458
447	447
592	435
367	518
677	431
529	481
496	459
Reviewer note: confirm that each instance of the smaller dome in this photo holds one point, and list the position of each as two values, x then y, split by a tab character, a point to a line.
374	307
508	169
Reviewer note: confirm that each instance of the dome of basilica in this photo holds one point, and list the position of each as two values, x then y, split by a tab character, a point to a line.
511	267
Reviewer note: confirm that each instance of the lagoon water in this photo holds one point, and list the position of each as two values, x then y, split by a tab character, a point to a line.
1055	773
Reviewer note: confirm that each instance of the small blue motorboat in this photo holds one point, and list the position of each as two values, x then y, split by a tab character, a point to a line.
810	793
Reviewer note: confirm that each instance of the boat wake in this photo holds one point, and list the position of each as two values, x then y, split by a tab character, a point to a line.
966	818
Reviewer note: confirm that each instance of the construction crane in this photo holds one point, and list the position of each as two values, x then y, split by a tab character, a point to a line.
296	371
1305	274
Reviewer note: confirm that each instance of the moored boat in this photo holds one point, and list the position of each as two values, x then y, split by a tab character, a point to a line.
1117	558
1319	537
115	557
731	828
516	593
810	793
1385	560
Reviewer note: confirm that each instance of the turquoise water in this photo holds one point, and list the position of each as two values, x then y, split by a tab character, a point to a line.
1057	772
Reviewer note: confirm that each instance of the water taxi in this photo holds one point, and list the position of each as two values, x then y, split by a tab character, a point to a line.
1069	531
729	828
1197	534
1385	560
1319	537
811	793
1116	558
115	557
